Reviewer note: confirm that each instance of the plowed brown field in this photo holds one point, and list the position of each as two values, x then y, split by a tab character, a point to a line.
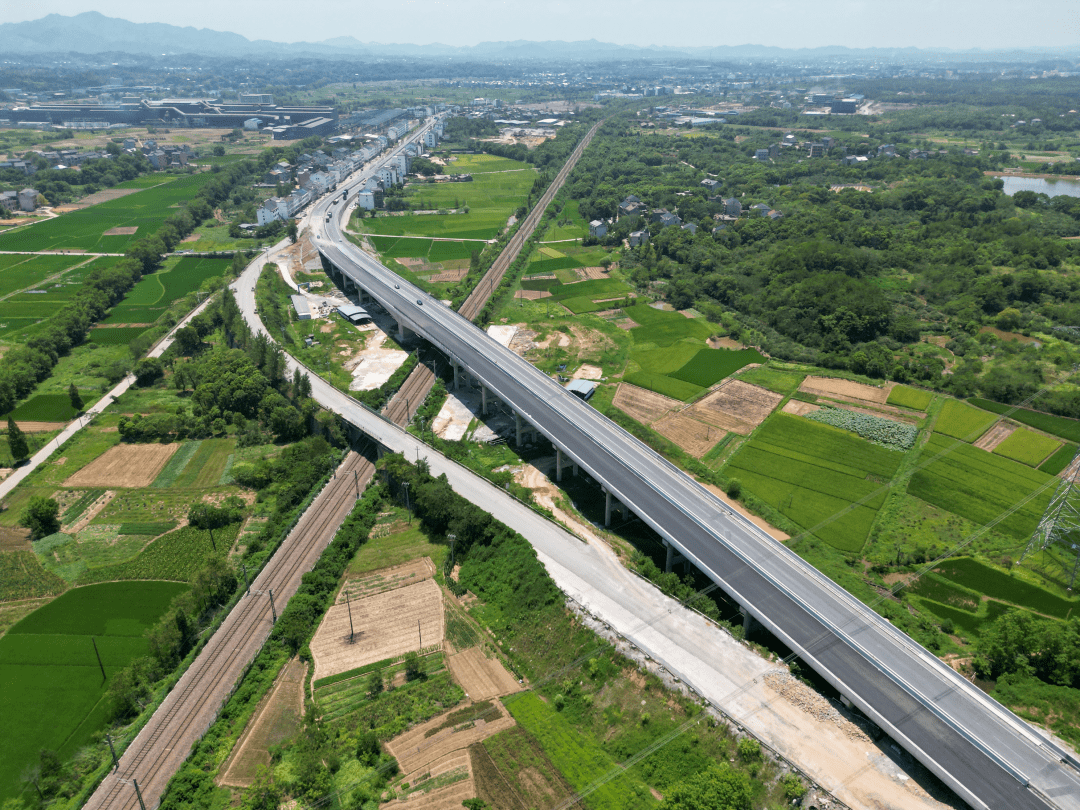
385	627
388	579
736	406
125	465
414	749
643	405
846	389
481	677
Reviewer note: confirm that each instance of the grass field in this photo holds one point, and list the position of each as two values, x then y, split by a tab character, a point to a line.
1056	425
915	398
115	335
963	421
393	542
980	486
45	408
207	464
175	557
662	384
811	473
85	229
998	584
393	247
1027	447
665	328
580	760
53	688
776	380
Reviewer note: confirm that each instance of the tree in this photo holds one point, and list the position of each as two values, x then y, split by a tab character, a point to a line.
218	150
413	672
41	516
187	341
290	229
76	399
20	450
148	371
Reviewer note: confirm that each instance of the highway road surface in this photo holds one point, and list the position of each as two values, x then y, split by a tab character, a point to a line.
985	753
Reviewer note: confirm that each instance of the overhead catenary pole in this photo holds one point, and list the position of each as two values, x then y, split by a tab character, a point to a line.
247	582
273	610
348	605
138	793
115	761
419	634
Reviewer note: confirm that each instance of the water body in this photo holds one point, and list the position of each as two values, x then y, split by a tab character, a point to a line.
1051	188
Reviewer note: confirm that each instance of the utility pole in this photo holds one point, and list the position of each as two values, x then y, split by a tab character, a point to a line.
348	605
138	793
98	654
418	633
115	761
356	480
273	610
408	508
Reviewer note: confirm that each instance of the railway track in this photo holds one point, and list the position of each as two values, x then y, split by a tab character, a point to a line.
193	704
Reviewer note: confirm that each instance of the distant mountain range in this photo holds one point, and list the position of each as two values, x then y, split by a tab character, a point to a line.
92	32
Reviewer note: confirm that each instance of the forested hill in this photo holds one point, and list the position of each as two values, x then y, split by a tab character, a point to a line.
916	247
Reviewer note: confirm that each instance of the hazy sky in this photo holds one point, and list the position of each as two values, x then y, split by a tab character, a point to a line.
786	23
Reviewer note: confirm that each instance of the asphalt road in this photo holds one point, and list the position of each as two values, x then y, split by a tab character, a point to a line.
976	746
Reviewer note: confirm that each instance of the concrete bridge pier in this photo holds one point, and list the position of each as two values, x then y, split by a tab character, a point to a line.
560	463
611	503
483	399
673	557
750	625
517	428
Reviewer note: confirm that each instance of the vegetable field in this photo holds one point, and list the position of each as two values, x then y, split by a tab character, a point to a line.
175	556
812	473
882	432
52	682
45	408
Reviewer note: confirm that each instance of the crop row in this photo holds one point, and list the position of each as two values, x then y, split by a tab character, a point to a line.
882	432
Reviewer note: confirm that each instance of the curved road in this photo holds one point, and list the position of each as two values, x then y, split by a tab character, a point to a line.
985	753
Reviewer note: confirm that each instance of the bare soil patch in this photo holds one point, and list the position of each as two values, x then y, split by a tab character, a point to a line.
594	272
415	748
101	196
797	407
643	405
532	295
805	698
125	465
481	677
276	719
725	343
14	539
588	372
40	427
388	579
695	437
450	276
832	387
121	231
736	406
386	625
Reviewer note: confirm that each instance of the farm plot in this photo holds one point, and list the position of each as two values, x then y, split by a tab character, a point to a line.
22	272
643	405
481	676
44	408
52	683
736	406
981	486
907	397
708	366
85	228
512	771
387	625
963	421
444	784
822	478
1027	447
153	294
845	389
695	437
994	436
125	465
387	579
277	719
994	583
446	733
1054	425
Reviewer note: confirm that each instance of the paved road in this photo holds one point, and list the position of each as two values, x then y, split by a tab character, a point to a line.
981	750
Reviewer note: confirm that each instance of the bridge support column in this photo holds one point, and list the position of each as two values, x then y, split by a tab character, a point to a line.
517	429
483	400
607	508
673	557
749	624
558	464
457	378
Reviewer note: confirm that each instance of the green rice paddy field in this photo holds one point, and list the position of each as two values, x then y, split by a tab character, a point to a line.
153	294
85	229
813	473
51	688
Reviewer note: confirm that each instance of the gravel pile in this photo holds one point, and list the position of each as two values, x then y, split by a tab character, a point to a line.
802	696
